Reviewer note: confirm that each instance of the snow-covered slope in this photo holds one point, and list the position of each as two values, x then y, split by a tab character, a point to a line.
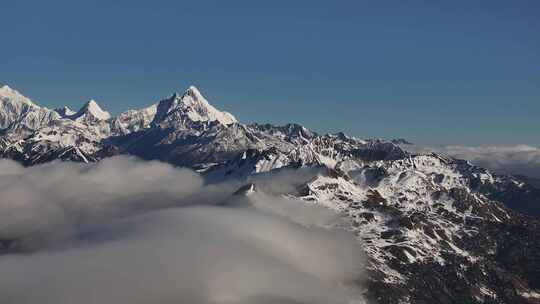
190	106
18	112
427	224
134	120
65	111
90	113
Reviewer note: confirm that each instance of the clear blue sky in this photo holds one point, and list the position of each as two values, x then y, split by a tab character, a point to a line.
434	72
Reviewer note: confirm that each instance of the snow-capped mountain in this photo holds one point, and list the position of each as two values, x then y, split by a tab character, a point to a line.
19	113
435	229
65	111
134	120
191	106
90	113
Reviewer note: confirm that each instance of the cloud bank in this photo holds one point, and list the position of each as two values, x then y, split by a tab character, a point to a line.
127	231
517	160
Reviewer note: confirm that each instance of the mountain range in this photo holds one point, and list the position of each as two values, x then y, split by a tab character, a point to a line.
435	229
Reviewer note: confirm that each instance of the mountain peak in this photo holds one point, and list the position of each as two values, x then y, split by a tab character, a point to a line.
201	109
5	88
91	108
65	111
193	96
14	95
193	106
193	91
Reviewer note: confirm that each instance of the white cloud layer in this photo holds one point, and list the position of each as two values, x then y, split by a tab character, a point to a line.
127	231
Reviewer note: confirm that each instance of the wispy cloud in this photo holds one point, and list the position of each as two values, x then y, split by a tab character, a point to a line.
127	231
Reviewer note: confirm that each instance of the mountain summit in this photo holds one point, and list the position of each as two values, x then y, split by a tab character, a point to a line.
7	93
191	106
65	111
19	113
91	111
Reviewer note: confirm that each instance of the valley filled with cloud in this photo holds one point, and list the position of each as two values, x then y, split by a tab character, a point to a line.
129	231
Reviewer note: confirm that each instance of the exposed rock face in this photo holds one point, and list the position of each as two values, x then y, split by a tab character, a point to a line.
433	241
435	229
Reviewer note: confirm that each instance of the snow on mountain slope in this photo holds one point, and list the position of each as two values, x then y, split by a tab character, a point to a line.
34	134
134	120
65	111
199	109
14	96
20	113
192	107
425	228
90	113
92	129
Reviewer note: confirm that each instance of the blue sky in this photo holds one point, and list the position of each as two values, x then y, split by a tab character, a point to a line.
434	72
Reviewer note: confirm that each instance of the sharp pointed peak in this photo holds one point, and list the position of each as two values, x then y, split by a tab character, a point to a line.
193	95
91	103
5	89
64	111
92	107
10	93
193	105
193	90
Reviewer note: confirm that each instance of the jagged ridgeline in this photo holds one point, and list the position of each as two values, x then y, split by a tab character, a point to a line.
435	229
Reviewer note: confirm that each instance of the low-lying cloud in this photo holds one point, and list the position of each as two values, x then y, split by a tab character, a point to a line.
517	160
128	231
55	198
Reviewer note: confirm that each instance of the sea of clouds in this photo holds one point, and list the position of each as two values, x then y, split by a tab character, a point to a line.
128	231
